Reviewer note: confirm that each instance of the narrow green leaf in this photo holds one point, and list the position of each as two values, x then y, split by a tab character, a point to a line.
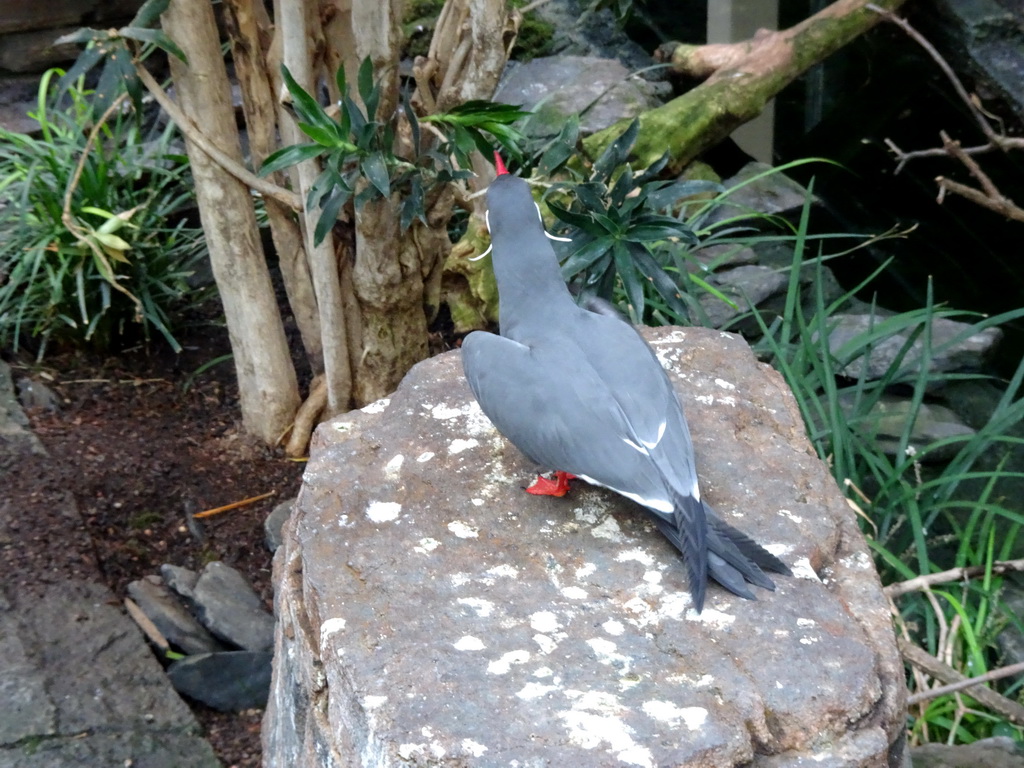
306	107
325	137
661	195
464	143
289	156
645	233
83	35
125	67
368	92
86	60
329	213
662	281
591	195
376	170
616	153
630	282
340	81
156	37
562	147
412	206
585	256
356	119
110	83
623	186
149	14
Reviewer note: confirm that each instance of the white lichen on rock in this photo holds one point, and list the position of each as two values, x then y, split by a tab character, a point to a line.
459	445
463	530
668	712
504	664
469	643
383	511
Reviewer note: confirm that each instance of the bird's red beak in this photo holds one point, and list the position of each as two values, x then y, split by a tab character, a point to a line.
499	165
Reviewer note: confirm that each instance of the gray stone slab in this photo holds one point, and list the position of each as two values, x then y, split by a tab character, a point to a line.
430	612
555	87
274	522
155	748
83	688
15	436
181	580
26	709
996	752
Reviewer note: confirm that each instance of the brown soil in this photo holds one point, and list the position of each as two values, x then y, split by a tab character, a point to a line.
141	444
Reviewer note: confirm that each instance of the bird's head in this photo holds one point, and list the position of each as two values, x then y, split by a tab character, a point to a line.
510	206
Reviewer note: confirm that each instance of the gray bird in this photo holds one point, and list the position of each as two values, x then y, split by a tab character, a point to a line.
582	393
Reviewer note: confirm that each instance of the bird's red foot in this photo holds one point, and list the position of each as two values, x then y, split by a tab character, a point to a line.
557	487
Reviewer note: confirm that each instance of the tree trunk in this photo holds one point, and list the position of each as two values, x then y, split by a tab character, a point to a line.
745	76
297	25
390	276
266	379
249	34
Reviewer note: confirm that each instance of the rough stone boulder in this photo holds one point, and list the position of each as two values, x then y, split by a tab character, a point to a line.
431	613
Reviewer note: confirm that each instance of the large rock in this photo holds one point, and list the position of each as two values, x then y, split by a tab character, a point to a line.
953	346
555	87
431	613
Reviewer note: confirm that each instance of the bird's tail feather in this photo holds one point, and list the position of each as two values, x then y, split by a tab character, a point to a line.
746	546
733	558
689	533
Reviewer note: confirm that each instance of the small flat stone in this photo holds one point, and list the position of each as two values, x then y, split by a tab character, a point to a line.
228	682
274	522
228	606
171	617
181	580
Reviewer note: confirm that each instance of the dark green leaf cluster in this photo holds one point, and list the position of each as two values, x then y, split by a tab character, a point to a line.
121	261
357	148
111	48
622	238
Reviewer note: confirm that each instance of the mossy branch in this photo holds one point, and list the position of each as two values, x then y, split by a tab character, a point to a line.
743	78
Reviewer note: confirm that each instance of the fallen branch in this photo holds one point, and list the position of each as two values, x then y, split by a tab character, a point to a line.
149	629
743	78
919	583
923	660
988	197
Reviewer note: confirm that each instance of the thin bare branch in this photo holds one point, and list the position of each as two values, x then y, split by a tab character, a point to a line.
947	70
240	172
919	583
942	690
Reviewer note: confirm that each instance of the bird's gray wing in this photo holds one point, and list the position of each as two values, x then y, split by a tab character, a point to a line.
570	423
574	423
644	393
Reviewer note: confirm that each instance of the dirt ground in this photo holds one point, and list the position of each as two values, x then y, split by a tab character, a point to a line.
141	442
